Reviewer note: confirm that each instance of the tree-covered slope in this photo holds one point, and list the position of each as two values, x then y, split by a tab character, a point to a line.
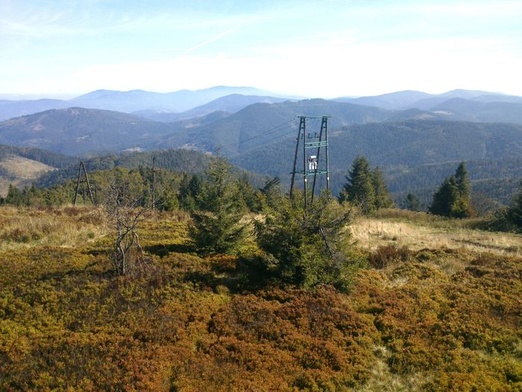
470	110
181	161
260	124
78	131
412	154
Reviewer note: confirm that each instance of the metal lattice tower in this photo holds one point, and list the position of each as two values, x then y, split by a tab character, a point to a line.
313	148
83	178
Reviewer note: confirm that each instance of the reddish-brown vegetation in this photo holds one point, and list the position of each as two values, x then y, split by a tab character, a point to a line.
190	324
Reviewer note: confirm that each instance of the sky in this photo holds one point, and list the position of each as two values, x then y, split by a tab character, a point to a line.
323	48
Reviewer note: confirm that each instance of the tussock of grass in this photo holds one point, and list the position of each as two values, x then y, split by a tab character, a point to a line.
419	231
67	227
383	380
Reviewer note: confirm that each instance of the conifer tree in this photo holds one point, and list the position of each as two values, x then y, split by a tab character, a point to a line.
359	188
382	196
14	196
514	212
412	202
306	248
271	192
453	198
444	200
189	188
463	206
216	226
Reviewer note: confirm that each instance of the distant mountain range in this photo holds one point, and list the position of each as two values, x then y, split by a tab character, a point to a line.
408	134
186	104
143	102
408	99
233	123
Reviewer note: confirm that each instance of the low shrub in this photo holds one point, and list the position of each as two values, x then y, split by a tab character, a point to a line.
388	255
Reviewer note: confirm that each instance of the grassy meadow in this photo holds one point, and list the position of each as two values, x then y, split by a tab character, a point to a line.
438	308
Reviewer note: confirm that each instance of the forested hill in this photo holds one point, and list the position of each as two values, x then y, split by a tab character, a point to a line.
81	132
36	154
406	143
263	123
414	148
88	132
414	155
180	160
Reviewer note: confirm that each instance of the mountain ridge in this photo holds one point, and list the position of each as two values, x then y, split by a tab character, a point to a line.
182	101
260	137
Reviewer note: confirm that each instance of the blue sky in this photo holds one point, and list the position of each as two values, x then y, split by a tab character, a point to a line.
326	48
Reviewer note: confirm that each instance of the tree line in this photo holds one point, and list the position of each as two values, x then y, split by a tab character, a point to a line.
295	241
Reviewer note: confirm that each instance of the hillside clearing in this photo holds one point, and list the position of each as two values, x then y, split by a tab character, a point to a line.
22	170
418	231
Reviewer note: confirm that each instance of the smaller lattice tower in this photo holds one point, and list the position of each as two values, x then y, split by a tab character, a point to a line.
83	180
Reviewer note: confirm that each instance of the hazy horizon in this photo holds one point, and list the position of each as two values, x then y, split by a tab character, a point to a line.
21	97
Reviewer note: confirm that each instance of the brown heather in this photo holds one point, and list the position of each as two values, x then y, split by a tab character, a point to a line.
438	310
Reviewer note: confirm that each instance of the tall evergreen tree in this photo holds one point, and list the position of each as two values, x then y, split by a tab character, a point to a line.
462	178
382	196
463	206
412	202
453	198
216	226
445	198
359	188
14	196
189	188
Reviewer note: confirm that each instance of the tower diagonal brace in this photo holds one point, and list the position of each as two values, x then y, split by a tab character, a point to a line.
82	172
323	142
300	134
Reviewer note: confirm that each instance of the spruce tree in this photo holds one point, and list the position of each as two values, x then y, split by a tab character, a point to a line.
216	227
445	199
514	212
382	196
412	202
189	188
14	196
453	198
359	188
306	248
463	207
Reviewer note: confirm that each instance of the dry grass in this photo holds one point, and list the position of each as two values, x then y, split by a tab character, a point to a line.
418	231
383	380
66	227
